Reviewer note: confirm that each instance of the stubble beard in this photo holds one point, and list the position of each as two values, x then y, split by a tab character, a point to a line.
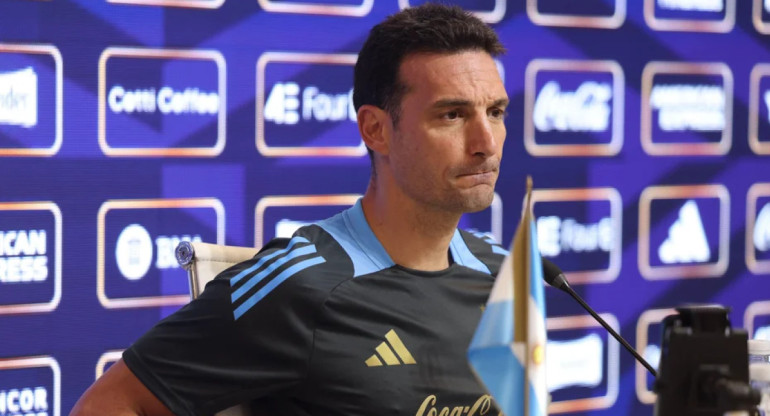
444	197
478	200
458	202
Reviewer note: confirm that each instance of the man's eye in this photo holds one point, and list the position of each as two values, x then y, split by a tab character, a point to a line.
452	115
497	113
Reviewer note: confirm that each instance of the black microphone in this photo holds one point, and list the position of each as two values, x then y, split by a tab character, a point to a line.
555	277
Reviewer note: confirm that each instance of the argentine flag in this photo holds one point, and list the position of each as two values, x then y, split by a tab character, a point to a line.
507	352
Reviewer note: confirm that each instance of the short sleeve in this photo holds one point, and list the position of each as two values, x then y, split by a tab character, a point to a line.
210	356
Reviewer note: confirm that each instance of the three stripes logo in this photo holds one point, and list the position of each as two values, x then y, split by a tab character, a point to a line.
392	351
254	283
496	248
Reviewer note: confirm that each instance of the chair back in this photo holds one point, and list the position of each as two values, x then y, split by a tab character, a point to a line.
203	262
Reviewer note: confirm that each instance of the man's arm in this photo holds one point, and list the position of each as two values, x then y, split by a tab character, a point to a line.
203	359
118	392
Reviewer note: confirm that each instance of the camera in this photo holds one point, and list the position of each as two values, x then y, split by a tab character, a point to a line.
704	366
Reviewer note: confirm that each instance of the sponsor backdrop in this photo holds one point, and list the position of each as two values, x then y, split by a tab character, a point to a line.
127	126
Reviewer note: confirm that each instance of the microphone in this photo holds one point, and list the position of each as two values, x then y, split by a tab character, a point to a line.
553	275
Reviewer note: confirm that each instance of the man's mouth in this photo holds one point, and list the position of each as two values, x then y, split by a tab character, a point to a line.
479	177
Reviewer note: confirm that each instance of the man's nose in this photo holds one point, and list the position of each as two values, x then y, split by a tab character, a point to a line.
481	137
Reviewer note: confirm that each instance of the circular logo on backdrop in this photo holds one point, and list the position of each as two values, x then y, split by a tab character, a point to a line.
133	252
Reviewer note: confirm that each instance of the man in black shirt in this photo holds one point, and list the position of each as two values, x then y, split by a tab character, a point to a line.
369	312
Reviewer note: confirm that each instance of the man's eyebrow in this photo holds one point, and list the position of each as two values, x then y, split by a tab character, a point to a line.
501	102
459	102
451	102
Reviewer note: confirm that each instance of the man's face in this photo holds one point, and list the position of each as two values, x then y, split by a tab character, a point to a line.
447	146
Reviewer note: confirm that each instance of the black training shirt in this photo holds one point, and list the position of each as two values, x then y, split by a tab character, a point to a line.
326	324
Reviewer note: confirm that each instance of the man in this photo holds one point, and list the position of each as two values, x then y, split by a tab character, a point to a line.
369	312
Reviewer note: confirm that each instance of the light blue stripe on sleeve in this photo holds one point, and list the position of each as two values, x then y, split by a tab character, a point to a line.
262	261
268	270
491	241
479	234
499	250
277	280
462	254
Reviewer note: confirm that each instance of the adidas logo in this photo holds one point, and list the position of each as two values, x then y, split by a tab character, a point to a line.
686	242
391	352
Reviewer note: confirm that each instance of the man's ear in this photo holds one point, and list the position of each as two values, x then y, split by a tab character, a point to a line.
376	128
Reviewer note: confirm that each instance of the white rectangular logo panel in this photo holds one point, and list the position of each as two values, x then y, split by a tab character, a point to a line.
305	105
583	365
573	108
18	90
161	102
690	15
136	242
687	108
30	257
581	230
30	100
683	231
585	13
489	11
30	386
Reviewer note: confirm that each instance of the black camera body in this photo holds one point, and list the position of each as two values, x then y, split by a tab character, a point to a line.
703	366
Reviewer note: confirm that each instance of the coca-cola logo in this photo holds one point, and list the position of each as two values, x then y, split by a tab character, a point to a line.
481	407
585	109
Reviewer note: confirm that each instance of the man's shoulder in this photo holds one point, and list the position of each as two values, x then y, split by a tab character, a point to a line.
484	248
311	257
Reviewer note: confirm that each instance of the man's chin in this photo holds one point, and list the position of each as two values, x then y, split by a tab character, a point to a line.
478	202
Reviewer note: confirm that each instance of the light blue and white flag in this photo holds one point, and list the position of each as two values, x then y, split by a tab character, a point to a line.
508	349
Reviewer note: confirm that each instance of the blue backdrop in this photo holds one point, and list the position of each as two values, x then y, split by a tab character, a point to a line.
126	128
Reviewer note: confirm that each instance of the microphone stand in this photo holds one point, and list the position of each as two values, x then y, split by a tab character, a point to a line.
555	277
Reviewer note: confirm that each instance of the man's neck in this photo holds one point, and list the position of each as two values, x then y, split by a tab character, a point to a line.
414	236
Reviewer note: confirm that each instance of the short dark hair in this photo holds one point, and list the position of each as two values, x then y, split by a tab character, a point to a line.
431	28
